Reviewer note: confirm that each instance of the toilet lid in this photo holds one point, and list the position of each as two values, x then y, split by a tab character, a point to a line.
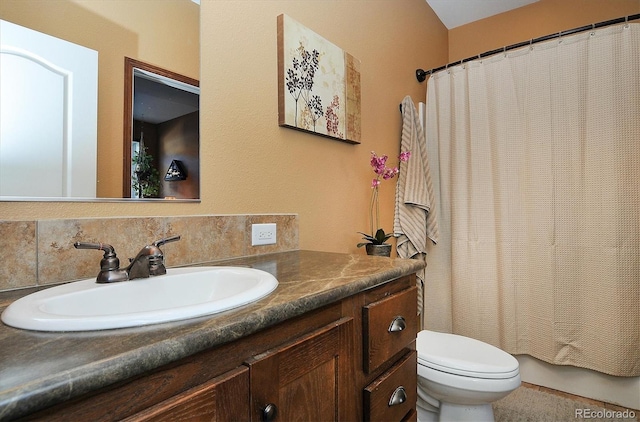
465	356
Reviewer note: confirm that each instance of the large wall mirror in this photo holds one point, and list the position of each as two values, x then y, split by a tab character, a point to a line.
164	34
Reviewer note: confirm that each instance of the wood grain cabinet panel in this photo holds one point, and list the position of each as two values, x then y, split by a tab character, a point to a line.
392	396
224	398
389	325
307	379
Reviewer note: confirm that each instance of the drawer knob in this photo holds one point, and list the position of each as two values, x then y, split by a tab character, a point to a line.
398	397
398	324
269	412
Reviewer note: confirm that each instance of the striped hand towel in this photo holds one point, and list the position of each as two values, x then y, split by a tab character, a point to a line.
415	215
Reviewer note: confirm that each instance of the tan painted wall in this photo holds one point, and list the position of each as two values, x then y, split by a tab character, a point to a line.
532	21
249	164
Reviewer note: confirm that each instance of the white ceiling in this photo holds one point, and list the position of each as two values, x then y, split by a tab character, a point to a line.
454	13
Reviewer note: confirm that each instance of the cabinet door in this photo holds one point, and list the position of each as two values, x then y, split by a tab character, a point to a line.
306	379
224	398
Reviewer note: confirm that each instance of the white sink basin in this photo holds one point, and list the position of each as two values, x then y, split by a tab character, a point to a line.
180	294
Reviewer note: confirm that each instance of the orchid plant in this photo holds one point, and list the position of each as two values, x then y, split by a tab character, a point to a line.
379	165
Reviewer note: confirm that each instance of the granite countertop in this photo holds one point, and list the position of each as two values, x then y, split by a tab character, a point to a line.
40	369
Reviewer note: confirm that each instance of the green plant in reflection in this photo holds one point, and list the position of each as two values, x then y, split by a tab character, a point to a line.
145	179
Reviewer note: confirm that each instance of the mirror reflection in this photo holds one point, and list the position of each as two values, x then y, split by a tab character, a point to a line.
52	82
164	33
164	139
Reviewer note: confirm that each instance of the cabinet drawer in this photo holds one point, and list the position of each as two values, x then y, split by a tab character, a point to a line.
392	396
389	325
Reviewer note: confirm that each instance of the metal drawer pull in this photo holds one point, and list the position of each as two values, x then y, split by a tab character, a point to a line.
269	412
398	324
398	397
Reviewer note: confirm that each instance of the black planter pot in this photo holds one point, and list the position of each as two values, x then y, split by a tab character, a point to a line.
378	250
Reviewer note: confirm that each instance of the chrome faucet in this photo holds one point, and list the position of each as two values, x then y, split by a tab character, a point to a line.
148	262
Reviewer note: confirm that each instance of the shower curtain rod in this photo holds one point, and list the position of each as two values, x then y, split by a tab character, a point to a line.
421	74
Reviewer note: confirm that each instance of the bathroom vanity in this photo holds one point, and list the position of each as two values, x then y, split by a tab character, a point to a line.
334	341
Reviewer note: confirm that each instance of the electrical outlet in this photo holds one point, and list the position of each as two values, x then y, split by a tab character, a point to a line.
263	234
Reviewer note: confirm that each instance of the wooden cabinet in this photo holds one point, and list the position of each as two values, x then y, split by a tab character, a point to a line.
306	379
224	398
351	360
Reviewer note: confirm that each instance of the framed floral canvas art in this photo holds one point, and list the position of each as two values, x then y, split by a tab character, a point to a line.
318	84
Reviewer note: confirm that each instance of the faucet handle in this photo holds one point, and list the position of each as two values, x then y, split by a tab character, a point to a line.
100	246
161	242
156	256
109	264
109	261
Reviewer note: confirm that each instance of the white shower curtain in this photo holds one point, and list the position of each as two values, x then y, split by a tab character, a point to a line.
538	161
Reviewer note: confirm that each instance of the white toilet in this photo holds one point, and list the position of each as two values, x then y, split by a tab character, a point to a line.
459	377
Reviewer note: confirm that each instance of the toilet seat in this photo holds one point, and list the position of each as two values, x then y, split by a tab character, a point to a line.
464	356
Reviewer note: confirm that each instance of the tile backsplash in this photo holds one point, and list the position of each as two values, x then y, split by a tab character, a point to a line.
37	253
